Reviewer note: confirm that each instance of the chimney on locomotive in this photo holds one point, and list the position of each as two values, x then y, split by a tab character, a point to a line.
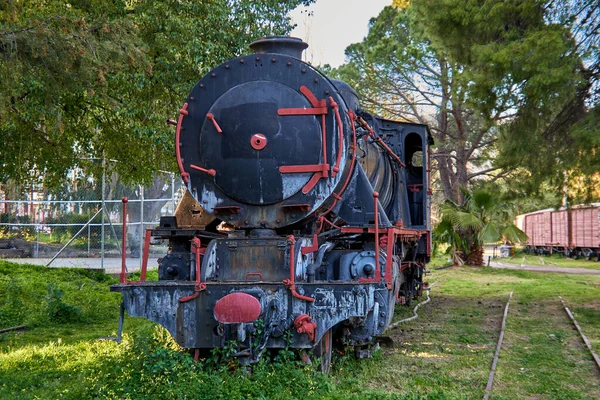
290	46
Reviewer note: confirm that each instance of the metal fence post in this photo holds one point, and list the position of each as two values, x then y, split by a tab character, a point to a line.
141	224
172	193
103	213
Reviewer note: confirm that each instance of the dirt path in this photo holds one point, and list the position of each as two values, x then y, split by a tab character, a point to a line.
561	270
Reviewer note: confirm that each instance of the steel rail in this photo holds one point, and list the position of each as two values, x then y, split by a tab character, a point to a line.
488	388
585	339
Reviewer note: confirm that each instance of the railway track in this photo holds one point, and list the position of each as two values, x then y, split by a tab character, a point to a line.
489	386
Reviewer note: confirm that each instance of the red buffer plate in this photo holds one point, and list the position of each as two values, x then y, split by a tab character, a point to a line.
237	308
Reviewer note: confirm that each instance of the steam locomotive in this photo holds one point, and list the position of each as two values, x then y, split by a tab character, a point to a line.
305	221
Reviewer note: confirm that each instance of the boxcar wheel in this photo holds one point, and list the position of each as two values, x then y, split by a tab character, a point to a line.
323	351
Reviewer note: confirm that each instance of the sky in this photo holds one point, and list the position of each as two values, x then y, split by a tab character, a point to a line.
332	26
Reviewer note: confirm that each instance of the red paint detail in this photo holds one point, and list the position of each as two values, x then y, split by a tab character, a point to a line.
389	256
428	239
249	274
302	111
310	96
258	141
368	280
351	229
415	187
352	162
319	107
383	241
291	283
145	256
313	247
211	172
212	119
183	112
407	233
123	275
236	308
323	219
199	287
196	354
297	169
197	249
304	324
338	118
312	183
226	210
294	208
398	223
377	266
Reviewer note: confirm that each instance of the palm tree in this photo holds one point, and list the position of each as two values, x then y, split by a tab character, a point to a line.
479	219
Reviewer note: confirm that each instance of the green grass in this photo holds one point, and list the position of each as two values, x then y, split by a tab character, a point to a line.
555	260
445	354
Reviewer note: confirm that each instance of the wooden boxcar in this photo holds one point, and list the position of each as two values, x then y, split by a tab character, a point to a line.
574	232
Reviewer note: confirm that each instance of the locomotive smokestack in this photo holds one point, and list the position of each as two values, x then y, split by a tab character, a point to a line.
287	45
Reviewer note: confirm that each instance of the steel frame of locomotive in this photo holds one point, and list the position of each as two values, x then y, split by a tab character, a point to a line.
271	237
573	232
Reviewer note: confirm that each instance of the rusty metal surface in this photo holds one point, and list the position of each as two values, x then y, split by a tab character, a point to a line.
193	325
190	214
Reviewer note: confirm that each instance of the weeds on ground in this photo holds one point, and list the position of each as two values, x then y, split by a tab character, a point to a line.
554	260
445	354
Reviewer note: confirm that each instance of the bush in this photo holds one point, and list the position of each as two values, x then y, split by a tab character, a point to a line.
59	311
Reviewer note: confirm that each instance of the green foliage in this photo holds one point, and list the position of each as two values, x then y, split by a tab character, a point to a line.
445	354
12	310
37	296
57	310
24	232
539	61
480	219
87	79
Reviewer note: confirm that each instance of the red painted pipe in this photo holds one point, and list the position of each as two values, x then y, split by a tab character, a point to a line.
123	277
377	266
291	283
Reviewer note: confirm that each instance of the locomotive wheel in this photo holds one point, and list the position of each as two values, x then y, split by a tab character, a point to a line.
323	351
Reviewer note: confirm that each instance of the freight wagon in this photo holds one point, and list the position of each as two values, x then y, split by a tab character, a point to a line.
574	232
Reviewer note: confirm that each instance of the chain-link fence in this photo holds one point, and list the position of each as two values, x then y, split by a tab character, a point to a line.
86	233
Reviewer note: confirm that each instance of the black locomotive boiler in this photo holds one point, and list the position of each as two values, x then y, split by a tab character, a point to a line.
305	221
